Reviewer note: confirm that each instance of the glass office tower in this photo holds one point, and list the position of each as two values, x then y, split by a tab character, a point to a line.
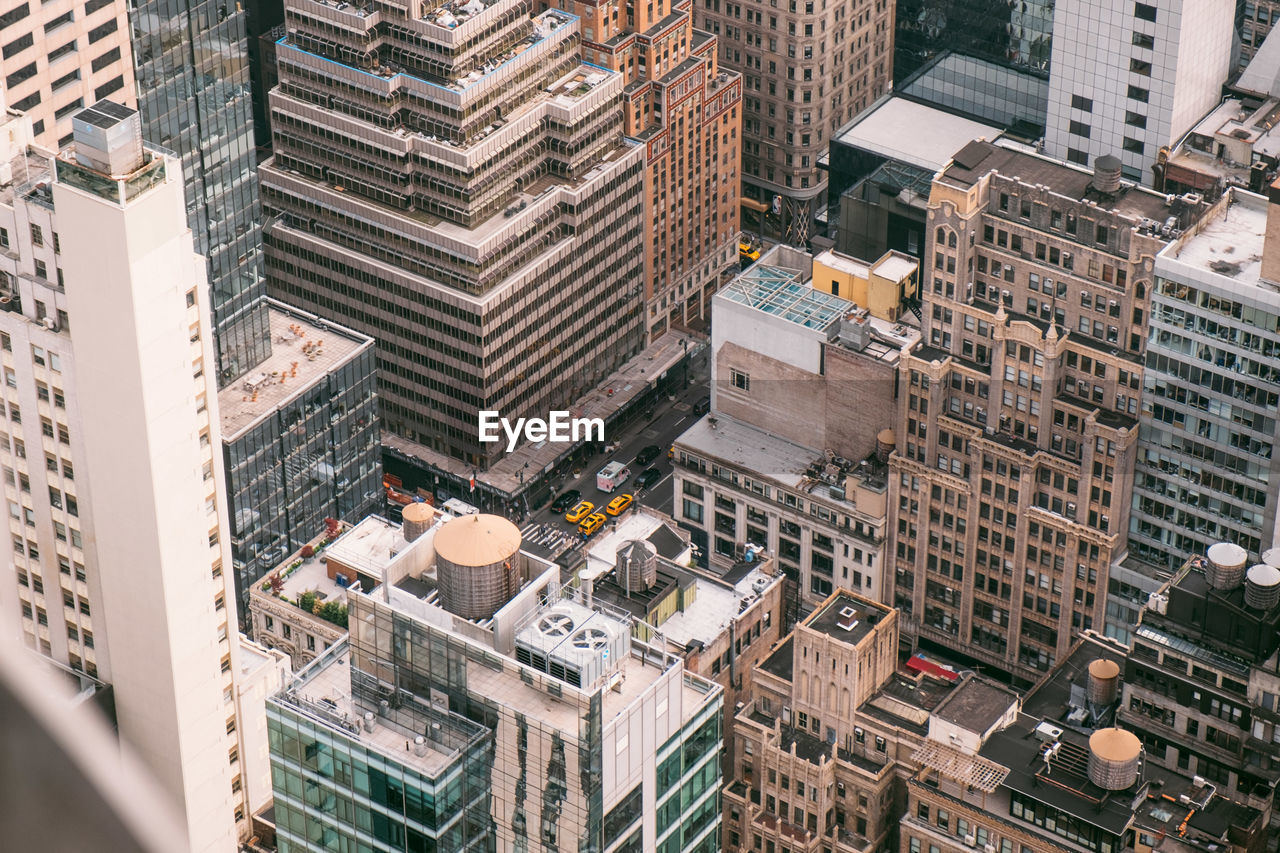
984	58
300	438
194	96
1017	34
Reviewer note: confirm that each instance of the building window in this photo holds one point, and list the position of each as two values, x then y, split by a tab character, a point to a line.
1144	40
1133	145
1075	155
693	511
68	108
107	88
106	59
21	75
97	34
1079	102
1138	93
1144	12
18	45
1079	128
740	380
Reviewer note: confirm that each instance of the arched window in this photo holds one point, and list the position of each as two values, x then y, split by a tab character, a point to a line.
951	240
940	237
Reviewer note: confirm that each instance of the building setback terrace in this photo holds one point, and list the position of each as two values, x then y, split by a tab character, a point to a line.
303	349
323	690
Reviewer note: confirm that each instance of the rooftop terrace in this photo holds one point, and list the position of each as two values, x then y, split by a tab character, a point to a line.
716	605
367	546
323	690
304	349
891	129
847	619
790	465
976	705
1227	242
909	700
975	160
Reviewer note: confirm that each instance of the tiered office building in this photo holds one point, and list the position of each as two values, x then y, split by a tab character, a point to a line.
113	478
1012	480
453	181
686	112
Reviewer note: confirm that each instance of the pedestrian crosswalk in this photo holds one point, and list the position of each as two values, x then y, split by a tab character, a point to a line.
549	537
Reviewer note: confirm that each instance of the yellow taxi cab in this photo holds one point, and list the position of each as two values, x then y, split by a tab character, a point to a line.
619	504
591	523
579	512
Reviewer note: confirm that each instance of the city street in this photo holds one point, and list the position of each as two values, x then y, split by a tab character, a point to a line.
670	418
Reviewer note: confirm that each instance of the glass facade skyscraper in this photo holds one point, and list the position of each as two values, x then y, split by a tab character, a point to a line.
343	784
194	95
300	437
985	58
1017	33
299	441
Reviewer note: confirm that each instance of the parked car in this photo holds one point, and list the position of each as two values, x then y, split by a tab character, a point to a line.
648	477
591	523
579	512
647	455
618	505
566	500
702	406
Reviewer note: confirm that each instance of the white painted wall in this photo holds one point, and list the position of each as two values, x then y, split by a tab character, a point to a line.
1092	49
144	408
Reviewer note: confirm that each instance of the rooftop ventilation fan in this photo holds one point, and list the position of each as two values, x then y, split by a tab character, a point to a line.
555	625
591	639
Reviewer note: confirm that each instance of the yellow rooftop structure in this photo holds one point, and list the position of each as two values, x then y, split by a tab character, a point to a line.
881	287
